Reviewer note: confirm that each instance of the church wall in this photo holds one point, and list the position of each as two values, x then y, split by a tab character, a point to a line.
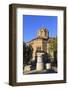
38	43
35	44
44	45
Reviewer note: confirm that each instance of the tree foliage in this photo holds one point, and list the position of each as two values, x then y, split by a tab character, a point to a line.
53	45
27	53
53	49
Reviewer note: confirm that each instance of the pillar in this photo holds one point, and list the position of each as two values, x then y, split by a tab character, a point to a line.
40	64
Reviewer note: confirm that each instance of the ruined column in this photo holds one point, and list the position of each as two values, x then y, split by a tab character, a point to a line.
40	64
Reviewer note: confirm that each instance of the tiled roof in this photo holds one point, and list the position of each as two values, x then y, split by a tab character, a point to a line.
36	39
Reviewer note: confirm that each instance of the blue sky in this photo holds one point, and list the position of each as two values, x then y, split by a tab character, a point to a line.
32	23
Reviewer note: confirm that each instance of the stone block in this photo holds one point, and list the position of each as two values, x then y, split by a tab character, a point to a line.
48	65
27	68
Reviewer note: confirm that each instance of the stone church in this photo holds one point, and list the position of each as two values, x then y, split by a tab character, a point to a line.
40	46
41	42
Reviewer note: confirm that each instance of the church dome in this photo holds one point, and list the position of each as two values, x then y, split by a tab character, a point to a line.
43	33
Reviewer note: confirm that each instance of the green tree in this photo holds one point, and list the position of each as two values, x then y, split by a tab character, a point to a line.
27	53
53	50
53	45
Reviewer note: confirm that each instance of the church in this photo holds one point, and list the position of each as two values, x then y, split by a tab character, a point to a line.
41	51
41	42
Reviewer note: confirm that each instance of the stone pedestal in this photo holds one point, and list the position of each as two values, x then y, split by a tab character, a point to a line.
48	65
39	65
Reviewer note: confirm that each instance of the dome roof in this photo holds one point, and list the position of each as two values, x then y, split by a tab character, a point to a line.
43	29
43	33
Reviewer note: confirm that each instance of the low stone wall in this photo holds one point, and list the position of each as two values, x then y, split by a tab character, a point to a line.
27	68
